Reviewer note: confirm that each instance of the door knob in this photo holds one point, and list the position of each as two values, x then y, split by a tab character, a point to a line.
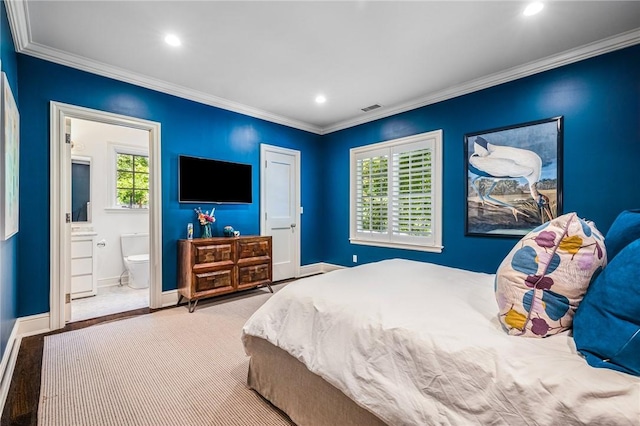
293	225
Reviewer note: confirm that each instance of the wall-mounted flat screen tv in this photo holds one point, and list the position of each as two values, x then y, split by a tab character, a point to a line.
203	180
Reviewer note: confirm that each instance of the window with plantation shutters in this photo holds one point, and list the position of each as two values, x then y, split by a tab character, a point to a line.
396	193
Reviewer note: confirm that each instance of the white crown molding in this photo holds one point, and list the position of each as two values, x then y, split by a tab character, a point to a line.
98	68
600	47
18	18
19	23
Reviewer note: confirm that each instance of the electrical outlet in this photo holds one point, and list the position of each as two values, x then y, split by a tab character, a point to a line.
355	258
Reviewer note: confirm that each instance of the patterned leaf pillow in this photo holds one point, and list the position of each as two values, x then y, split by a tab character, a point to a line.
541	282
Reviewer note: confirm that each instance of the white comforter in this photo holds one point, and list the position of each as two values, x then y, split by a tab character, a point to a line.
420	344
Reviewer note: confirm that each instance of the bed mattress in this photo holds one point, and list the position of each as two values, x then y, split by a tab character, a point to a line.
417	343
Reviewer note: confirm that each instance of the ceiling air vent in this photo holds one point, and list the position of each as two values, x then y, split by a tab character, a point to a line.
371	107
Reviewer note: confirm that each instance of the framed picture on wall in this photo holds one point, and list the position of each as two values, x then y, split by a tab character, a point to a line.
513	178
10	148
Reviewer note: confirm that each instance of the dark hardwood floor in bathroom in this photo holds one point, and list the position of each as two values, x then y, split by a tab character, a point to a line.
21	406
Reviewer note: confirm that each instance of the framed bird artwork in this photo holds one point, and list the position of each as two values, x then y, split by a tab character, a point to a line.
514	178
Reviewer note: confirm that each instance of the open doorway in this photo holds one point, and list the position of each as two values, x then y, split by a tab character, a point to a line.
109	218
106	253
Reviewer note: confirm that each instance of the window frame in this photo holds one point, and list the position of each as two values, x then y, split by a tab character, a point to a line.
115	150
429	140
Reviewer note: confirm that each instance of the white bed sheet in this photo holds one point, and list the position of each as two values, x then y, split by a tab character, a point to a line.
420	344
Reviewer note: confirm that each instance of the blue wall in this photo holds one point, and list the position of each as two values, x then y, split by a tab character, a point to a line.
187	128
9	248
599	99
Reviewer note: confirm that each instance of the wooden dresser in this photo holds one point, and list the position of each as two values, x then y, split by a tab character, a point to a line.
212	266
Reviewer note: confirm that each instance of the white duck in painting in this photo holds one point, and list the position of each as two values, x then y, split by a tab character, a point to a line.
496	162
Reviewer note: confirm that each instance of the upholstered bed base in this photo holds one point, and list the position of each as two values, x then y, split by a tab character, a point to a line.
305	397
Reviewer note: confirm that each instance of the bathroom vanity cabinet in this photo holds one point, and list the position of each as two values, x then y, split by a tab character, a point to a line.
83	265
213	266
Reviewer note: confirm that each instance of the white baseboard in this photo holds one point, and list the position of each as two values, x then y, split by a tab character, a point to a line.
328	267
8	364
25	326
33	324
307	270
169	298
318	268
110	282
38	324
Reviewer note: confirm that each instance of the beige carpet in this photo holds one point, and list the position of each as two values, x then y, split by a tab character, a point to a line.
165	368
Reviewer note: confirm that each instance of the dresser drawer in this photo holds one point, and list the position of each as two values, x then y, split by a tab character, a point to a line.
212	253
213	280
253	275
221	265
254	248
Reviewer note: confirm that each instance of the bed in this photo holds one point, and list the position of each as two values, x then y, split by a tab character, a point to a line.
402	342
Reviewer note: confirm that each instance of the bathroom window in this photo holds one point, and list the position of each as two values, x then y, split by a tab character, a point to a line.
130	182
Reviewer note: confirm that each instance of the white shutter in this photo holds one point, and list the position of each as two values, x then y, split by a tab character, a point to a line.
412	195
372	194
396	193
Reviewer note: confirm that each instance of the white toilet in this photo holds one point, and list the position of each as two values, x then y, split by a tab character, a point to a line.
135	253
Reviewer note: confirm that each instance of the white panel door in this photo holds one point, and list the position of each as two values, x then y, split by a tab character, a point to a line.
279	206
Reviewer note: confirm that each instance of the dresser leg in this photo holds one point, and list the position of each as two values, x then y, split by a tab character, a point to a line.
179	300
270	289
193	308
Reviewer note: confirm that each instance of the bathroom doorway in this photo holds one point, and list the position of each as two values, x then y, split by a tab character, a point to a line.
106	169
109	218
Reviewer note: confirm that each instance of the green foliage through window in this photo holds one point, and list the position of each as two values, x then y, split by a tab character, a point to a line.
412	210
373	194
132	180
396	193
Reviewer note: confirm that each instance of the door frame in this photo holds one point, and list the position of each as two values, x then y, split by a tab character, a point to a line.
60	239
298	212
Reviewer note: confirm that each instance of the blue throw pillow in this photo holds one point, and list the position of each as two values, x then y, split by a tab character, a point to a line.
606	327
624	229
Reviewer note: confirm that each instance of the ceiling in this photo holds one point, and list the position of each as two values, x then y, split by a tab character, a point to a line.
269	59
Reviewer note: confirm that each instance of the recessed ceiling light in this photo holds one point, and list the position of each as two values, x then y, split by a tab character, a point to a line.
172	40
533	8
320	99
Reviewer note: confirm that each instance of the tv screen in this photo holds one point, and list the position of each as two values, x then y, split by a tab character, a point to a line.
202	180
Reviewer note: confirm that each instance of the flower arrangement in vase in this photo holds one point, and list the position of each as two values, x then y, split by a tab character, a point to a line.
205	218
